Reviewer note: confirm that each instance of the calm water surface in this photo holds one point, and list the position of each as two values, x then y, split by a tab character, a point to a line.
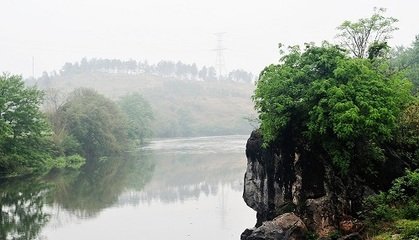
187	188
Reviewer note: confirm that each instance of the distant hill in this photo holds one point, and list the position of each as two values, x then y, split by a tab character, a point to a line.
182	106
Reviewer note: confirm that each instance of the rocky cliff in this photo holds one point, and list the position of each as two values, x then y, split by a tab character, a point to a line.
290	177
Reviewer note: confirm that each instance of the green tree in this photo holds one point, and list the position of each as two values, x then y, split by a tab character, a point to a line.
407	60
94	122
406	139
24	132
139	116
358	36
348	107
398	208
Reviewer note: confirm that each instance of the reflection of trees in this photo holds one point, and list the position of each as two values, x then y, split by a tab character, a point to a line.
83	193
22	213
101	183
116	180
178	177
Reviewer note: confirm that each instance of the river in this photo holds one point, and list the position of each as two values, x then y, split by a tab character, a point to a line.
188	188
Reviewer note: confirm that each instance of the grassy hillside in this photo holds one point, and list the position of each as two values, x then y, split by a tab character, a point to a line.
181	107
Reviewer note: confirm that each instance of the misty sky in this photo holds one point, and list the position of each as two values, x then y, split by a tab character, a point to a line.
59	31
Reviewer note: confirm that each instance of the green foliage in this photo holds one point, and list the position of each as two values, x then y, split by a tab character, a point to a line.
72	162
90	126
379	210
409	229
406	138
398	207
407	60
378	50
24	133
96	124
364	102
402	230
405	189
212	107
400	201
349	107
282	96
384	236
139	116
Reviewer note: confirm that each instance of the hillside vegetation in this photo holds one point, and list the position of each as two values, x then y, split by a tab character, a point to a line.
181	107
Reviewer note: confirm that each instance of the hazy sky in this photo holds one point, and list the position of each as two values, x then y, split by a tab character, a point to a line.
59	31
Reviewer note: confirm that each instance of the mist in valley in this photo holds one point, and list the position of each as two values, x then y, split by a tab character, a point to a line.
122	118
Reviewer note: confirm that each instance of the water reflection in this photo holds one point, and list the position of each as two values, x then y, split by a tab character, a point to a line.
22	213
182	176
182	181
99	185
26	203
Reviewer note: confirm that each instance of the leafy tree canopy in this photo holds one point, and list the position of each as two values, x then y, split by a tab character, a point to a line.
407	60
95	122
347	106
139	116
24	142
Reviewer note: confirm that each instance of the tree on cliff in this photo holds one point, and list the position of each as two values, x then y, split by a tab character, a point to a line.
359	36
336	125
349	107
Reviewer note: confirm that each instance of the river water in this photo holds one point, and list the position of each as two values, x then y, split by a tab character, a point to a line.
187	188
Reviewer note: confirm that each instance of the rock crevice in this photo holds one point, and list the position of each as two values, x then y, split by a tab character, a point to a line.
285	178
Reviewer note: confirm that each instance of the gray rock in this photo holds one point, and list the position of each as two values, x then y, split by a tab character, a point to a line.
284	177
285	227
292	175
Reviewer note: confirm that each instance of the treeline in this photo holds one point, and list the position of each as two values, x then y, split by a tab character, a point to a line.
72	131
163	69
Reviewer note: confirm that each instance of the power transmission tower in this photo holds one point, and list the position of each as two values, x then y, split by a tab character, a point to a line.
33	67
219	58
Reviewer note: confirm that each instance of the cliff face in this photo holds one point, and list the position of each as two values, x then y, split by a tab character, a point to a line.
287	177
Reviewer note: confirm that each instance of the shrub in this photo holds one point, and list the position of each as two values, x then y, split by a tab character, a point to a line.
409	229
